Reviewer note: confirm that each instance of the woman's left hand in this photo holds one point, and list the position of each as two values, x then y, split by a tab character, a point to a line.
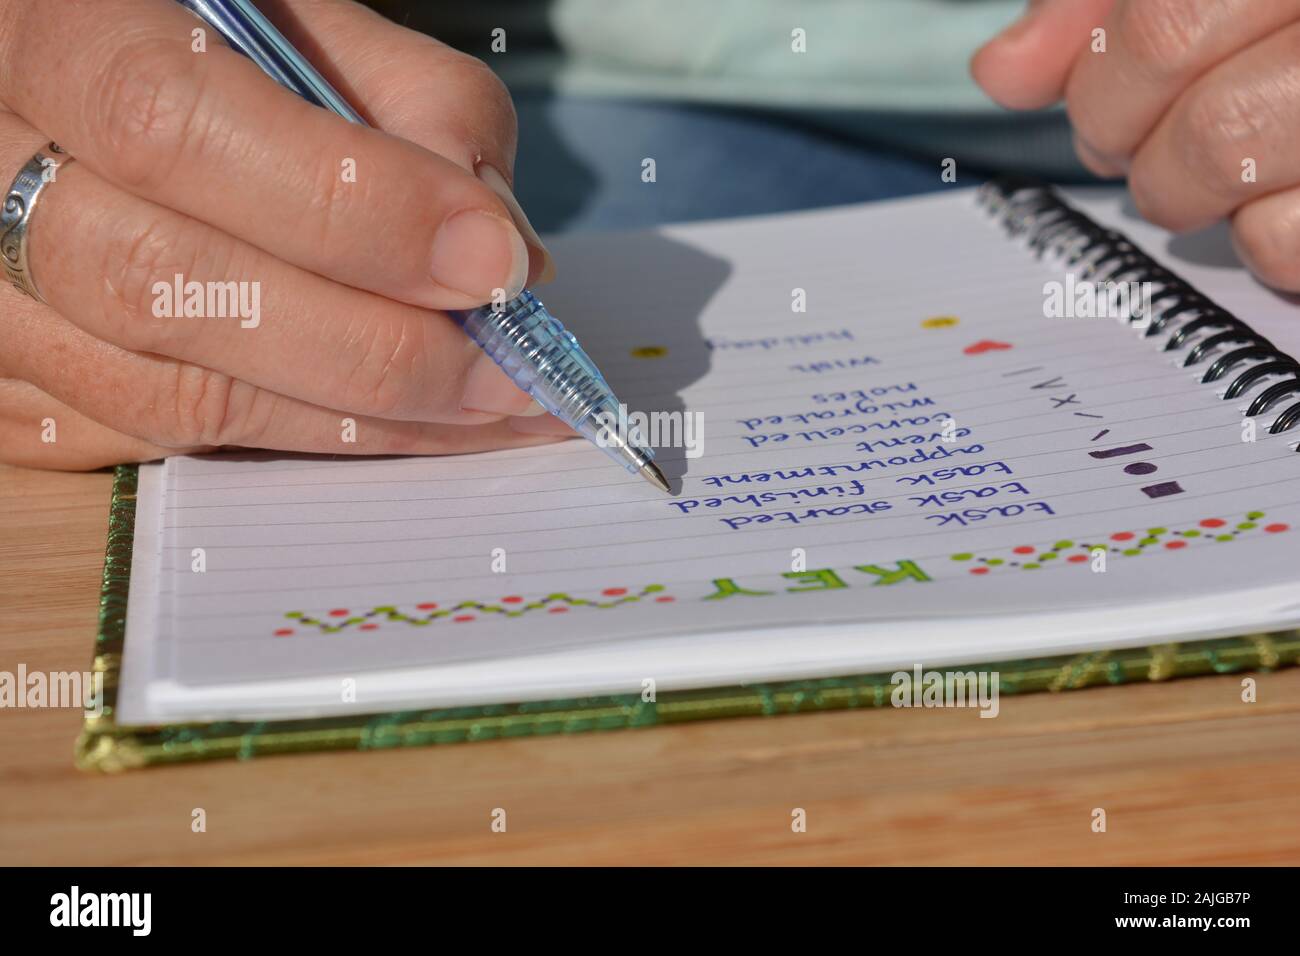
1196	102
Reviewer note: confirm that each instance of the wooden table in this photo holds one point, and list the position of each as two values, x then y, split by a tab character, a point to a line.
1186	772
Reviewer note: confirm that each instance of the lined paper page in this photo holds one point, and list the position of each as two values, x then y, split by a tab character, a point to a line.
919	443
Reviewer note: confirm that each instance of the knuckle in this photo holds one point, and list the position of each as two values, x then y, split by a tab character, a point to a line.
132	271
146	281
1216	129
205	407
336	205
486	114
1162	36
144	101
486	90
389	361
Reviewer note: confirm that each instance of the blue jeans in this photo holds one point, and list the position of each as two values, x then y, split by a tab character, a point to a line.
580	165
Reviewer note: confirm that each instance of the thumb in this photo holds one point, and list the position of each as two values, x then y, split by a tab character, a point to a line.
1026	65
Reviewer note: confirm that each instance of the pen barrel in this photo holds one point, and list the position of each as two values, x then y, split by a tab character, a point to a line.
246	30
541	357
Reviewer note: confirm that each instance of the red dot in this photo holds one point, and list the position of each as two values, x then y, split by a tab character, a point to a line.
513	599
369	627
1076	558
1213	523
558	610
283	631
1023	549
1275	528
1122	536
614	592
979	570
665	599
427	606
339	612
461	618
1175	545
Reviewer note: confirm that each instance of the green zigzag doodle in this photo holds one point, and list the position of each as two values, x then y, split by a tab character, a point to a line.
391	613
1121	543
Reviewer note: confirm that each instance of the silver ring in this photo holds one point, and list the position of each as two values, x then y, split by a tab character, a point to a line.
20	200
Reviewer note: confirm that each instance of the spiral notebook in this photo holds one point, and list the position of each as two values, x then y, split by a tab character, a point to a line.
986	425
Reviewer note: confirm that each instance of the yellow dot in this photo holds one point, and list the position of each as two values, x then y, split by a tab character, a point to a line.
939	322
649	351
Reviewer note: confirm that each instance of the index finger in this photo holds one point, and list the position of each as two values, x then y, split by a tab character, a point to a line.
177	118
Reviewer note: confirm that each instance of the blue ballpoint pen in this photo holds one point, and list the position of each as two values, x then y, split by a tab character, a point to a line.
528	343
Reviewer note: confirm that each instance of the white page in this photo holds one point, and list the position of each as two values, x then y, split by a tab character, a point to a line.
316	536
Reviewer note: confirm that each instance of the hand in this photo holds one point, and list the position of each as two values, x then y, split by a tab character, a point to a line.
1197	102
190	162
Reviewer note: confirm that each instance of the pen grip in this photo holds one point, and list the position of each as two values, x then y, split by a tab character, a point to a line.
540	356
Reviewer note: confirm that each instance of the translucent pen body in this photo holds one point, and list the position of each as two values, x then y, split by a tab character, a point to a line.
546	361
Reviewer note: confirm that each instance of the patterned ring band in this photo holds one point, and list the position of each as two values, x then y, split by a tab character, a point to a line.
20	200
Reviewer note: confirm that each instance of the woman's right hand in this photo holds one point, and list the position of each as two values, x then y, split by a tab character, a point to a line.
342	243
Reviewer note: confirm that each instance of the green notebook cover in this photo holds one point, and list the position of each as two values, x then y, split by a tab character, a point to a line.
105	746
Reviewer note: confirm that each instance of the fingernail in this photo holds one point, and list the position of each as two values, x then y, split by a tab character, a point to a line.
476	253
490	391
541	425
497	183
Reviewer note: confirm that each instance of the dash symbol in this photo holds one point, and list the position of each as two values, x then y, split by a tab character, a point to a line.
1120	450
1100	434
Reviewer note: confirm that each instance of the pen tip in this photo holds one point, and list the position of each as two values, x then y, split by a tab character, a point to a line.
651	473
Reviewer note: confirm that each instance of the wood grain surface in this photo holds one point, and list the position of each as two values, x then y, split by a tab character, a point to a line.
1186	772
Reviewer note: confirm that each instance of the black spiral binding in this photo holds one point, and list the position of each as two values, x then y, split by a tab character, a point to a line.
1031	209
